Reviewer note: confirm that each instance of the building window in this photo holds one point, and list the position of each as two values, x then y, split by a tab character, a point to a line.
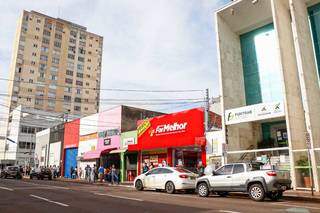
81	50
46	32
77	100
38	21
43	58
55	60
79	75
69	72
37	29
72	40
81	59
41	74
86	108
73	33
34	54
57	44
29	99
77	108
42	67
39	101
78	91
89	59
29	90
44	49
68	81
71	56
70	65
68	89
53	77
87	84
80	67
36	37
45	40
30	81
54	69
72	48
31	71
87	92
67	98
34	45
79	83
88	68
33	63
51	103
58	36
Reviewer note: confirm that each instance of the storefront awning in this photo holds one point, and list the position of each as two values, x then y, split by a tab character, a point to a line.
118	151
95	154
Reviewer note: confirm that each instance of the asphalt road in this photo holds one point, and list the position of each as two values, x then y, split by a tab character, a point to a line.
54	196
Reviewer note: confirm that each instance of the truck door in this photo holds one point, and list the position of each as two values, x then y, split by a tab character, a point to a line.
238	178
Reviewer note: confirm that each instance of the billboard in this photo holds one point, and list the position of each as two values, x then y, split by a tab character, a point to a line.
172	130
254	113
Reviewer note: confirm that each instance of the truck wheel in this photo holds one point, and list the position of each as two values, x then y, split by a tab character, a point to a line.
139	185
275	195
256	192
170	188
203	190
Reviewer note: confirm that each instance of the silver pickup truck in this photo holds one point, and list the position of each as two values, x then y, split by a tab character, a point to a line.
244	177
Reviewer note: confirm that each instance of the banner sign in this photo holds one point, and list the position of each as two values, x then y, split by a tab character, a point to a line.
254	113
171	130
128	141
143	127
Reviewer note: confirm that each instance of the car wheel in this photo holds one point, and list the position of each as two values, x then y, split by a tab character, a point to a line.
223	194
275	195
139	185
170	188
203	190
256	192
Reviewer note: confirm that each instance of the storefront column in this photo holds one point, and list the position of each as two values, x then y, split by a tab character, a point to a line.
203	155
139	162
122	167
169	157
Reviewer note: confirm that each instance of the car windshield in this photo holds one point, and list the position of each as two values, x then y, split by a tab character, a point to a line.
181	170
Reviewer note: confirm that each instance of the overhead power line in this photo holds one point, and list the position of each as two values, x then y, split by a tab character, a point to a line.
107	89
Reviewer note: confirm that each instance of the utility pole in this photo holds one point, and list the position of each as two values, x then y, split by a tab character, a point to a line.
206	111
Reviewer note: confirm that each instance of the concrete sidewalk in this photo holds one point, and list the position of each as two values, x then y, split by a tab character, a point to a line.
291	194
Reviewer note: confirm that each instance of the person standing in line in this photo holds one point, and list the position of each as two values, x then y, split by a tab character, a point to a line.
80	173
93	174
71	172
151	166
75	172
101	173
88	173
114	177
145	168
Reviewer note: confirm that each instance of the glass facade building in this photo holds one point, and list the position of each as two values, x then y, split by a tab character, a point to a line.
261	68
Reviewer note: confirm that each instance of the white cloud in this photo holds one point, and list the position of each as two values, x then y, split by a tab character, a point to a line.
167	44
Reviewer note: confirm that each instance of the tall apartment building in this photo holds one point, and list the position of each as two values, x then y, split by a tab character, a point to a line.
56	66
269	57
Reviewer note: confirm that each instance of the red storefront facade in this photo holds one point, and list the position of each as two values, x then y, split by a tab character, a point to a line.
71	142
177	138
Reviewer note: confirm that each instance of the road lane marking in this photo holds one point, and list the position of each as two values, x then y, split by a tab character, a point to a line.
297	206
121	197
50	201
5	188
227	211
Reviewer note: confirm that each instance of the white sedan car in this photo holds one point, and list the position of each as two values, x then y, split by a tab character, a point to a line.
169	179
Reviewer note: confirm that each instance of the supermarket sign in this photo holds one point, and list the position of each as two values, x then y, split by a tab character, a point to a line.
254	113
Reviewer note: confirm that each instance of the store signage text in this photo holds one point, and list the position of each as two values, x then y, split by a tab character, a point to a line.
170	128
254	113
143	127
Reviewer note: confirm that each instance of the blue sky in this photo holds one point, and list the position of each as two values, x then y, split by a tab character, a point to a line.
159	45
